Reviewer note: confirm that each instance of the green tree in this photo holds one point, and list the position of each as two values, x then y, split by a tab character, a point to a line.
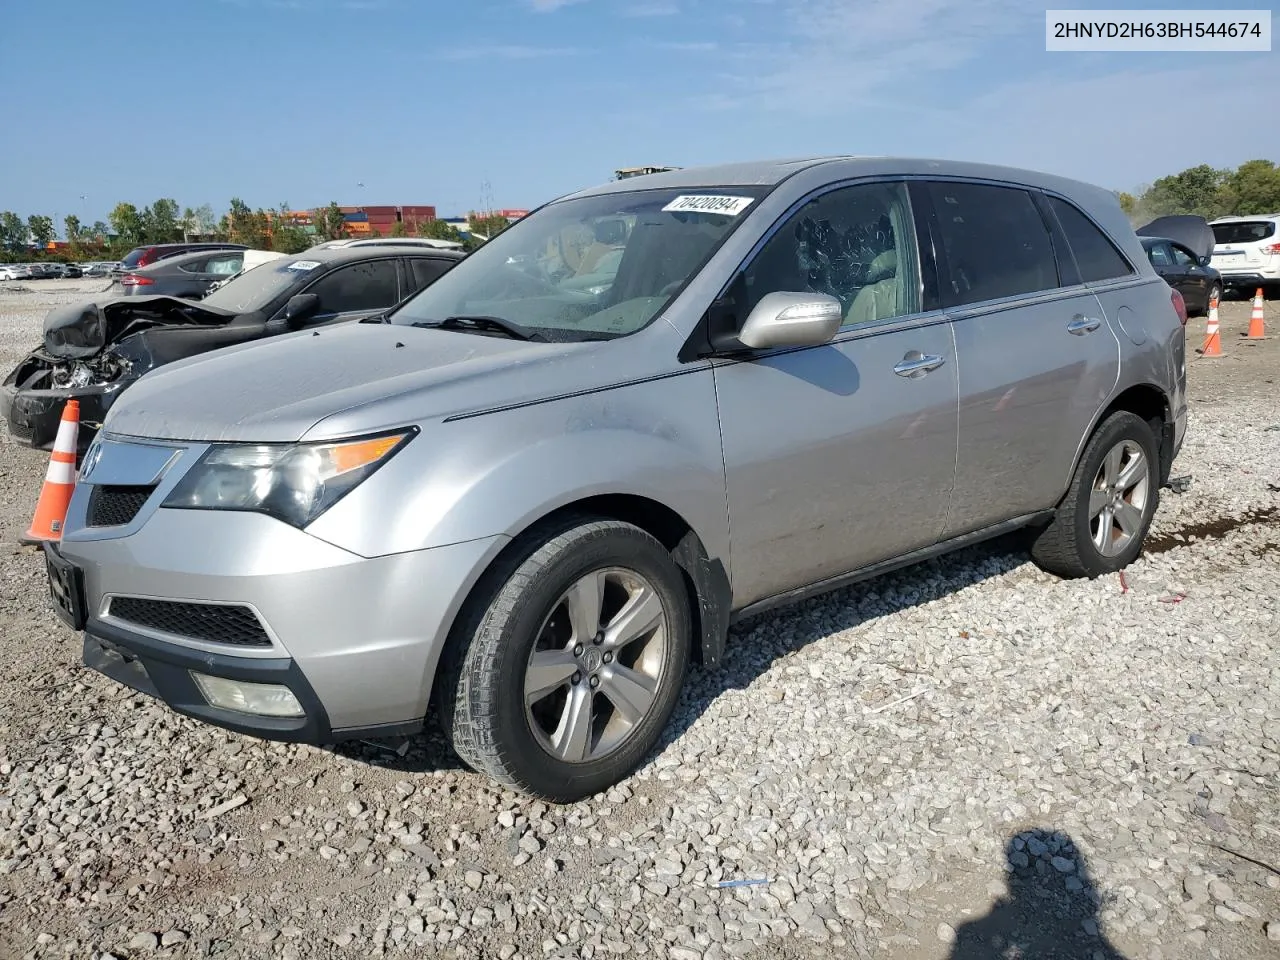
485	227
439	230
127	223
399	230
72	228
247	226
329	222
287	237
1196	190
14	235
41	230
1128	203
160	222
99	231
1252	188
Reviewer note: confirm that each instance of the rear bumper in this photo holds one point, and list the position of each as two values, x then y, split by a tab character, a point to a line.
1249	278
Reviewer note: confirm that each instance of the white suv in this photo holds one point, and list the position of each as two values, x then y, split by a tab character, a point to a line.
1247	251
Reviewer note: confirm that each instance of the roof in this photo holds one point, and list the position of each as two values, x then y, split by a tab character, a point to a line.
770	173
344	254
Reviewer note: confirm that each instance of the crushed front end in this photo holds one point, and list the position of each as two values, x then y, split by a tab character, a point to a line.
36	390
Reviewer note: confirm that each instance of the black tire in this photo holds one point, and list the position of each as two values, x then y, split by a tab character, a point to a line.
1065	547
482	706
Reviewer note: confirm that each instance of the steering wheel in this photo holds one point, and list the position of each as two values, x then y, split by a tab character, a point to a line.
524	284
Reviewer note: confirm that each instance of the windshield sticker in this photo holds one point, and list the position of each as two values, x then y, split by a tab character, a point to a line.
725	206
304	264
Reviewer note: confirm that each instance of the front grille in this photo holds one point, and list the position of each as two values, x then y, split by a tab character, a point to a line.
210	622
115	506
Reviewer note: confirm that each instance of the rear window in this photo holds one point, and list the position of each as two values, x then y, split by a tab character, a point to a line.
1243	231
134	257
1096	256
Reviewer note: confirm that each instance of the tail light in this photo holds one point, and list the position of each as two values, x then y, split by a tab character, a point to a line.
1272	249
133	280
1179	306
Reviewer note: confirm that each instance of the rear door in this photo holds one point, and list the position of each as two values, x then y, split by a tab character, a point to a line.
1193	279
1036	356
1244	245
424	271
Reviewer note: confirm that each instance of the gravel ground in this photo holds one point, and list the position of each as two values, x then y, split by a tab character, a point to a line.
965	760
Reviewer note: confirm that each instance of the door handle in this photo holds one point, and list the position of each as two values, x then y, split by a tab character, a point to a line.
1081	325
917	364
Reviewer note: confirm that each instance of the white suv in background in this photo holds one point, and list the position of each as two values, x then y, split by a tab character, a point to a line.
1247	252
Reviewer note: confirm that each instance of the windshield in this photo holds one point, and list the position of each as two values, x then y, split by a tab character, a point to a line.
591	268
259	286
133	257
1249	231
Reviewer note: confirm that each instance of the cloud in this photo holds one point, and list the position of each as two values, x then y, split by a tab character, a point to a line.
654	9
510	51
835	53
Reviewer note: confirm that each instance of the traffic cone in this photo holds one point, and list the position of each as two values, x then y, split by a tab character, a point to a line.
1257	326
1212	341
59	480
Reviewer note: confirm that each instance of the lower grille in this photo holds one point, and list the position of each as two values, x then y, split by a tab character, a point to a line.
115	506
213	623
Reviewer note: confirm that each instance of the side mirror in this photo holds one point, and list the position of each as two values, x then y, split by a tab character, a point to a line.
792	320
301	308
1205	261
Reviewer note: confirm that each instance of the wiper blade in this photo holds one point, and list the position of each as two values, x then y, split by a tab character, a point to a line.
482	323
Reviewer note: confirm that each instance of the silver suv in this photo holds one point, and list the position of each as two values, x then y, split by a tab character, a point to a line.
522	504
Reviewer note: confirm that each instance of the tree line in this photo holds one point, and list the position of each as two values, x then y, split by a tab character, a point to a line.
1251	189
164	221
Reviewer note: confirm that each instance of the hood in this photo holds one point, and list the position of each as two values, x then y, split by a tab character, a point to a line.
278	389
80	330
1191	231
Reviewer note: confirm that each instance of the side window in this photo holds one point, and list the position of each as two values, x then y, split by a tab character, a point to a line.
195	266
1096	255
426	271
359	286
1182	256
225	265
1160	255
995	242
856	244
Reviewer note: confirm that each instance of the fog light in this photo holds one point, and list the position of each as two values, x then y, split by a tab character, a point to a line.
263	699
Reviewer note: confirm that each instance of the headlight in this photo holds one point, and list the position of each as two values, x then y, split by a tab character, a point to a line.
293	482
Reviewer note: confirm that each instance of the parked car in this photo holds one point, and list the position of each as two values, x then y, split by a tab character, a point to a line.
104	269
510	504
14	271
147	255
92	351
187	275
1181	248
72	270
390	241
1247	253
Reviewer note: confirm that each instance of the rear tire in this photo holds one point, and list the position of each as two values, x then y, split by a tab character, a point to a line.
1104	517
543	690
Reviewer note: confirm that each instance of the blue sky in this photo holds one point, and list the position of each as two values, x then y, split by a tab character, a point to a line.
424	101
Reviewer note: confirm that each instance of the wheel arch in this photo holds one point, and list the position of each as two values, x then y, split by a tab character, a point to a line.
1147	401
706	578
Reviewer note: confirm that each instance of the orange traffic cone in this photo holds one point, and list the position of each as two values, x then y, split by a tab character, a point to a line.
1257	325
1212	341
59	480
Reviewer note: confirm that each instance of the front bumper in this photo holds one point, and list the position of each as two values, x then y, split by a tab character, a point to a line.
33	414
357	640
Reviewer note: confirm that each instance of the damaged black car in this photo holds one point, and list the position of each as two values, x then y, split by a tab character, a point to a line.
92	351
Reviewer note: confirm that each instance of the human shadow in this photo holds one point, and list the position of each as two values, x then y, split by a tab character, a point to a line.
1050	911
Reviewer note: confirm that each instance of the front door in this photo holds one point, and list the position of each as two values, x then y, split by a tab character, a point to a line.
841	455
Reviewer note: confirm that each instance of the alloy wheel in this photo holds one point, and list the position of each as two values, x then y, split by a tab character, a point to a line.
1118	499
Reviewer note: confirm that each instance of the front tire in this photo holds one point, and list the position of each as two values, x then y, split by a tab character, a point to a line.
1101	523
569	661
